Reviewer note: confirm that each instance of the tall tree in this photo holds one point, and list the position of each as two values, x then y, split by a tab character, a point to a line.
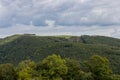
7	72
53	67
73	70
99	67
25	70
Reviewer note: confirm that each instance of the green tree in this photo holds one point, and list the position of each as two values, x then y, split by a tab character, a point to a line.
73	70
99	67
25	70
115	77
52	68
7	72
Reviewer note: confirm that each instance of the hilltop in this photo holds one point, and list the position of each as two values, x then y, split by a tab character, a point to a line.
16	48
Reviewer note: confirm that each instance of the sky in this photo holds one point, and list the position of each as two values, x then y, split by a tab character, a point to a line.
60	17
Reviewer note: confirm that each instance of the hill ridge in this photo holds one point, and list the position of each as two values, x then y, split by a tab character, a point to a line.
30	46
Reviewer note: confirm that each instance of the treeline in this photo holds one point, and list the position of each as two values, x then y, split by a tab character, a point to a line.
55	68
17	48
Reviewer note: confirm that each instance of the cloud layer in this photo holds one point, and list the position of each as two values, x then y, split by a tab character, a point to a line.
60	17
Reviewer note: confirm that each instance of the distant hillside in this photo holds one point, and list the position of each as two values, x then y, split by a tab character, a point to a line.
101	40
16	48
9	39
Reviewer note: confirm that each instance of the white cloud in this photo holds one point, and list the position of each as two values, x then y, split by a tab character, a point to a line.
98	12
64	11
61	17
61	30
2	11
50	23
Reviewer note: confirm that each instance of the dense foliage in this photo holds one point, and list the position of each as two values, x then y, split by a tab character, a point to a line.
56	68
17	48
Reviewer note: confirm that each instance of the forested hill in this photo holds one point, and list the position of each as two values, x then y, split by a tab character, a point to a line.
16	48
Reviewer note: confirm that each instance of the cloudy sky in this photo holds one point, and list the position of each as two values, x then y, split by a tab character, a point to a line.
60	17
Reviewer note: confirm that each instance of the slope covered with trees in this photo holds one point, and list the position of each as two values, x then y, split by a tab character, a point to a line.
17	48
56	68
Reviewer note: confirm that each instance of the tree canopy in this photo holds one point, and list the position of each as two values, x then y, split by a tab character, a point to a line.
54	67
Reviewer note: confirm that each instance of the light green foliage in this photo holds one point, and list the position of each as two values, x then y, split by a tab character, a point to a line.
9	39
7	72
53	67
26	70
99	67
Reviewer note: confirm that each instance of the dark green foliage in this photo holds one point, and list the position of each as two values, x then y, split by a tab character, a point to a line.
116	77
7	72
100	40
16	48
73	69
56	68
99	67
